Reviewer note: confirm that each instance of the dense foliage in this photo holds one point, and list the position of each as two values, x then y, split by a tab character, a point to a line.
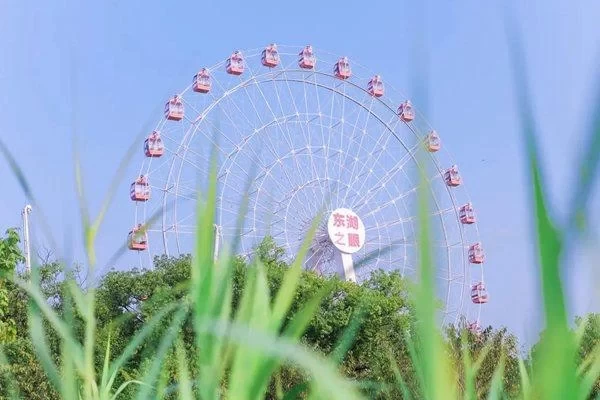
379	308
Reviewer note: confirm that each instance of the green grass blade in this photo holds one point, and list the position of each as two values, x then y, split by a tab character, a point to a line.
147	225
302	318
592	376
166	342
249	368
51	316
587	170
469	369
135	342
555	365
285	295
204	285
495	392
400	382
20	176
293	331
524	378
327	383
106	364
124	386
346	341
434	366
40	345
295	392
185	383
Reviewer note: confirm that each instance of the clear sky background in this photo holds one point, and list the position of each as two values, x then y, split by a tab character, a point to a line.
105	70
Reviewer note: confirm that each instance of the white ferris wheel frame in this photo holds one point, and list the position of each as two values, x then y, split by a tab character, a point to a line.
289	72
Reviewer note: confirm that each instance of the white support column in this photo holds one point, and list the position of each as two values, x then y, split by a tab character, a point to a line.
345	266
26	246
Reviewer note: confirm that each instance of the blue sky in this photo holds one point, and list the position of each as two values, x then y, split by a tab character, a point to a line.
105	69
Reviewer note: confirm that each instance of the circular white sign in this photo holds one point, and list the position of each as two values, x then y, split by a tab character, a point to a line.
346	230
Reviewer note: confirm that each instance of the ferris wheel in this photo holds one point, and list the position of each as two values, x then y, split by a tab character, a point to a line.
300	134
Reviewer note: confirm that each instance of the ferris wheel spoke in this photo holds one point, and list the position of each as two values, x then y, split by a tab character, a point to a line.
295	110
396	222
320	113
348	156
405	194
367	167
373	163
306	133
342	121
287	137
261	121
383	181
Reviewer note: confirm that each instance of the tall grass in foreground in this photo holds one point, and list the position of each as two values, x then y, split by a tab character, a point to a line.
246	346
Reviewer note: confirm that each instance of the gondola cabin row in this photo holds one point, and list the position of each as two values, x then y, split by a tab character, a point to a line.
306	58
433	142
270	56
375	86
466	214
137	239
479	293
153	145
406	112
342	68
235	63
201	83
476	254
140	189
452	177
174	109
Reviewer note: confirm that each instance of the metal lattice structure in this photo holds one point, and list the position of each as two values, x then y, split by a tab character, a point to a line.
301	134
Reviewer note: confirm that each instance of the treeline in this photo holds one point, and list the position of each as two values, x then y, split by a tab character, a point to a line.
379	310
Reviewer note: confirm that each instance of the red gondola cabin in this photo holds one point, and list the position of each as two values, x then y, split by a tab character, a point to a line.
476	254
202	81
270	56
474	328
479	294
235	63
137	239
342	68
452	177
375	86
174	109
306	58
140	189
433	142
153	145
467	214
406	112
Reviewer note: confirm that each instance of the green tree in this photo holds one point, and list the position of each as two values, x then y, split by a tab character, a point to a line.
589	345
489	346
10	257
23	362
